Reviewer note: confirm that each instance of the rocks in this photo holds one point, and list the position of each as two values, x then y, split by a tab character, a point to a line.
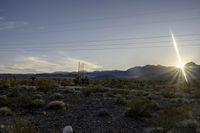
68	129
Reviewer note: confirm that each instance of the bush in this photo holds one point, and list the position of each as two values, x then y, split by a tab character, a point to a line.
24	101
196	93
4	83
56	96
168	93
66	82
14	92
37	96
4	111
3	100
140	107
27	102
56	105
46	84
169	117
37	103
20	127
93	89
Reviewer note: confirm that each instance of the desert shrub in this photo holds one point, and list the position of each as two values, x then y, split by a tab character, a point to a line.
27	82
46	84
56	96
20	127
103	113
93	89
56	105
69	90
5	111
24	101
37	103
4	83
168	92
169	117
3	100
14	92
66	82
140	107
196	93
81	81
37	96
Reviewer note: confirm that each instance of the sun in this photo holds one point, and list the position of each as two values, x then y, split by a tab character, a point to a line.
181	66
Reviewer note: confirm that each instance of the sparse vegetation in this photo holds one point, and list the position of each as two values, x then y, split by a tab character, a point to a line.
169	117
38	103
93	89
21	127
159	104
37	96
140	107
46	84
168	92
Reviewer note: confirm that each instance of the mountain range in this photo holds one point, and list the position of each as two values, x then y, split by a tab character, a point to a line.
148	72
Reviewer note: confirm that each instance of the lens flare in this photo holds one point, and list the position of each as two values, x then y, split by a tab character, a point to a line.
179	57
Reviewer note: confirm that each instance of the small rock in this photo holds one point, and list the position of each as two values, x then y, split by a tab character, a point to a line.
68	129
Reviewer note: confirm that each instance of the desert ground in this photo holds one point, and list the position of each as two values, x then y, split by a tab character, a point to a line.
47	105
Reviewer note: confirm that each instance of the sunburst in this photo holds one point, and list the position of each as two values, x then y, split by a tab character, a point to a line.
180	65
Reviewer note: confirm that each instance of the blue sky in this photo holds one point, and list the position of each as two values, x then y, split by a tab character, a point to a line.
54	35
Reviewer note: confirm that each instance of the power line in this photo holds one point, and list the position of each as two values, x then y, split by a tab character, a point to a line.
99	45
115	48
104	40
113	26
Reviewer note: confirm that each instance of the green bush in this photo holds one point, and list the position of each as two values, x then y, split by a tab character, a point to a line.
169	117
37	103
140	107
93	89
168	92
56	96
46	84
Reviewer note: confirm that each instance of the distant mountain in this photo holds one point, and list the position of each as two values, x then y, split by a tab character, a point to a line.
148	72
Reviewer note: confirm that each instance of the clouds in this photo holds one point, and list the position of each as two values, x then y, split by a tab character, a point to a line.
8	24
45	65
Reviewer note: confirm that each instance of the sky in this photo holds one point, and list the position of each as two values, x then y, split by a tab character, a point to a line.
39	36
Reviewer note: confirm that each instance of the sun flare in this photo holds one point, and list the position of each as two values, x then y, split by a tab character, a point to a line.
181	65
